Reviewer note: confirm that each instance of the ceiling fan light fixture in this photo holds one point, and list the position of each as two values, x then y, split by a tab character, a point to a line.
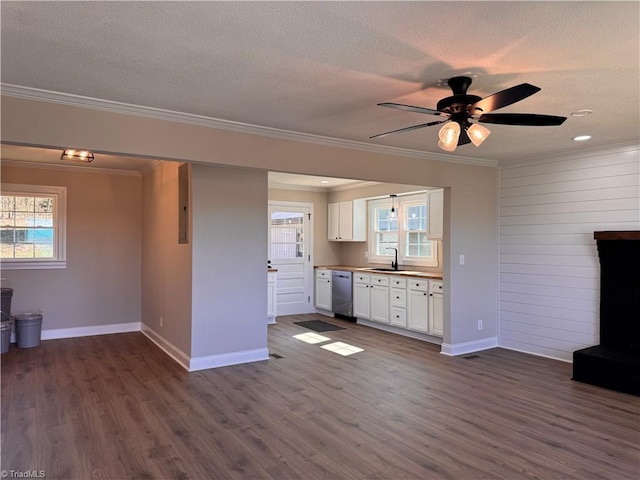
449	135
77	155
478	134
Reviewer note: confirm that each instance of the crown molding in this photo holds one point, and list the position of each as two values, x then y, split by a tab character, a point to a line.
67	168
203	121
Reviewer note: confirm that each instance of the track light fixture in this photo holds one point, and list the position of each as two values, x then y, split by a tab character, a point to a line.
77	155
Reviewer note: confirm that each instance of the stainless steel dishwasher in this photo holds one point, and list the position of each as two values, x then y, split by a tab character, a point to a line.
342	293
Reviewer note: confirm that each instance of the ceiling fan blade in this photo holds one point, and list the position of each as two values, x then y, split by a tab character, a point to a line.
411	108
530	119
504	98
408	129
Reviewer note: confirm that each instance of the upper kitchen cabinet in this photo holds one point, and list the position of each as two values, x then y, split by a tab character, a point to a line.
348	221
435	202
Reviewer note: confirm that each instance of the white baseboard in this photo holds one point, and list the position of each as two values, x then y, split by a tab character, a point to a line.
507	346
193	364
226	359
401	331
468	347
57	333
167	347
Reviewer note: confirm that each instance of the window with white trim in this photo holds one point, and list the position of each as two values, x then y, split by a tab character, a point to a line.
407	231
32	226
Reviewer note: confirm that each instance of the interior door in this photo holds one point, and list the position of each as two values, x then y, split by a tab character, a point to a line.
290	253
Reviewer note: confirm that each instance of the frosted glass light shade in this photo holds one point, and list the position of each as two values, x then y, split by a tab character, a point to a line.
449	135
477	134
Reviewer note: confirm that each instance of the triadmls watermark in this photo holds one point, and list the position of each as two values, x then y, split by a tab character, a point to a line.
23	474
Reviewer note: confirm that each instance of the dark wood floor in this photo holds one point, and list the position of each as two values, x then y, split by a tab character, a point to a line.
116	407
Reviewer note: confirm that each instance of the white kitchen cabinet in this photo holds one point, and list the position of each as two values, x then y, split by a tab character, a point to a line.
362	296
323	289
271	297
347	221
371	297
435	205
418	305
398	301
380	303
436	317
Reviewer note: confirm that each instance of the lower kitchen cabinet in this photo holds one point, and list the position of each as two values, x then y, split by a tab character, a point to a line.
436	321
362	296
371	297
418	305
271	297
323	290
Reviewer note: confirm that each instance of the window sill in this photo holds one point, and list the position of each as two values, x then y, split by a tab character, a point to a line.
34	265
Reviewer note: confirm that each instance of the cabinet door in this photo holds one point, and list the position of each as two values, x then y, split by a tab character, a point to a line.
271	297
436	324
436	206
418	311
333	225
323	294
380	303
361	300
398	317
346	221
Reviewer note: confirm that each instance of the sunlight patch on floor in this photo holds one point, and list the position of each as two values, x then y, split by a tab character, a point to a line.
342	348
311	337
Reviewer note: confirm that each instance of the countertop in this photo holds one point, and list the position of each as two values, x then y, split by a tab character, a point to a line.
401	272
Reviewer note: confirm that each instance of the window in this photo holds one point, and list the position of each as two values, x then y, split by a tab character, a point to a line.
407	232
287	235
32	226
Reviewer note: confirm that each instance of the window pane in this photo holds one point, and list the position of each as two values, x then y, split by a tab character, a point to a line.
44	205
287	235
27	227
417	217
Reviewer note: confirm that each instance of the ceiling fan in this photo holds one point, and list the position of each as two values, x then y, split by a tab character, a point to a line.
460	109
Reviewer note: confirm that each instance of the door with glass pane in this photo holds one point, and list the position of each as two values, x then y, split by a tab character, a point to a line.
290	253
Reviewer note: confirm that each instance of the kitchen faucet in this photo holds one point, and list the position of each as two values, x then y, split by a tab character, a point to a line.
394	263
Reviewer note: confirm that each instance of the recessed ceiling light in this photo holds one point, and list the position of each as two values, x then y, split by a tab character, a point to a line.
324	181
582	138
581	113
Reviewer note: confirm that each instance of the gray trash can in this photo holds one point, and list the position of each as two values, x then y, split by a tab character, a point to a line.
28	329
5	329
5	308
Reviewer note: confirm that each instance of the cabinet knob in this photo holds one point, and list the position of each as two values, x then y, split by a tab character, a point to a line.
431	294
424	294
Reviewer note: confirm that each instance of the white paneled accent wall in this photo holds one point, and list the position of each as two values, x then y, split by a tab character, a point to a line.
549	270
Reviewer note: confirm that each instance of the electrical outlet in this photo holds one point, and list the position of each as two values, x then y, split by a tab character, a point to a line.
462	259
161	321
480	326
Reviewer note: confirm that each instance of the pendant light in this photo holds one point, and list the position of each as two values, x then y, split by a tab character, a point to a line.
394	213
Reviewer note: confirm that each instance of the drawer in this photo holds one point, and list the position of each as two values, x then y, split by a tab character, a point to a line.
397	282
435	286
380	280
361	278
398	297
398	317
323	273
417	284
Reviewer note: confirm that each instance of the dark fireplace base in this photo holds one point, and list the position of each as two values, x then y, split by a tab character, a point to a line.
607	368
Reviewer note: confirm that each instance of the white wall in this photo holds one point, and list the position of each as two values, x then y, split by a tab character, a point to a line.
229	302
100	287
549	270
166	264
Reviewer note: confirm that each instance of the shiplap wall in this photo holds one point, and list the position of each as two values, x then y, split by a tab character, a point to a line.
549	270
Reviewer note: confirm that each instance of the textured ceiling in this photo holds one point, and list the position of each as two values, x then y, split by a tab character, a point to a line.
321	67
